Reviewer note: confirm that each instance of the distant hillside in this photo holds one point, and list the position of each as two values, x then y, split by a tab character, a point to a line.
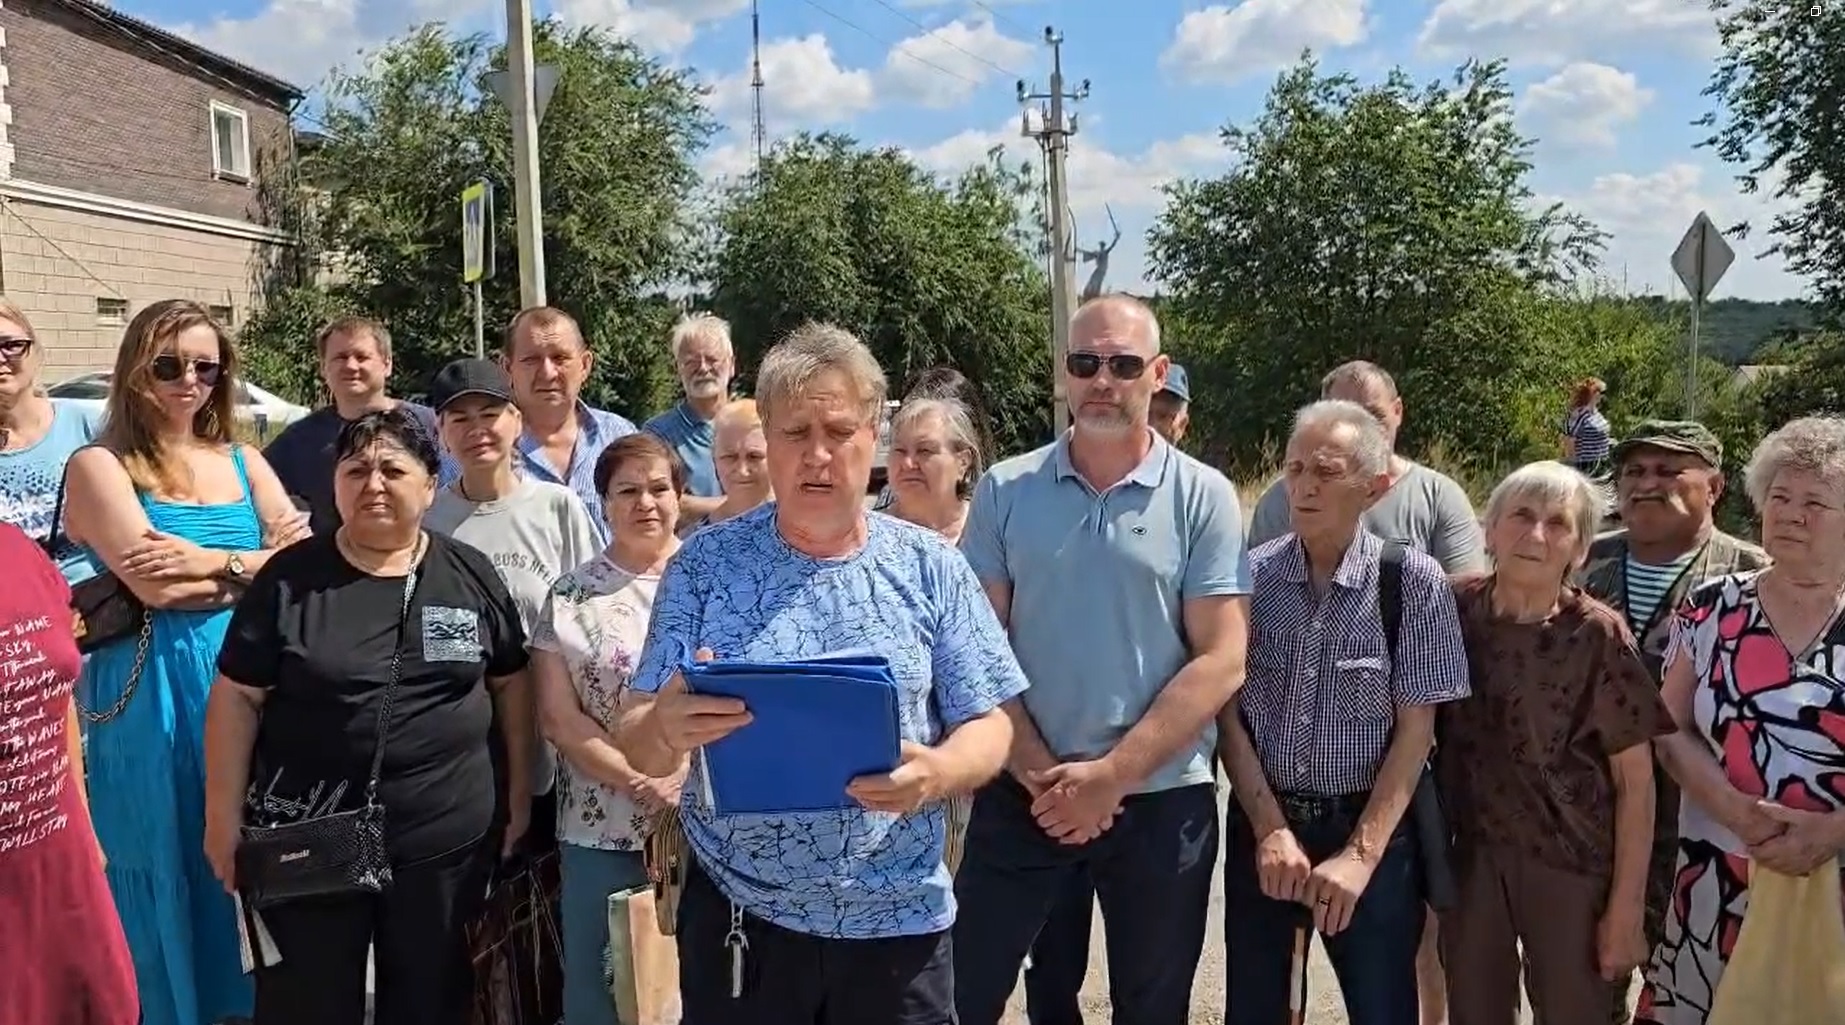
1734	329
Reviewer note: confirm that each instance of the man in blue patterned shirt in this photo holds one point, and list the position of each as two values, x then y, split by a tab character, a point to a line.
1328	737
826	916
1117	563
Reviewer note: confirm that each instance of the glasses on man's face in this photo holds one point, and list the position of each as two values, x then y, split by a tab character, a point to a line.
1122	367
169	368
14	348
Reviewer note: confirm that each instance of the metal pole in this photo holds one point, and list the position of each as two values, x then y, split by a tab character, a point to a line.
480	325
1691	368
527	210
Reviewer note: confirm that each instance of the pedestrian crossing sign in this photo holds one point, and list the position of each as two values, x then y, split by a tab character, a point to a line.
477	232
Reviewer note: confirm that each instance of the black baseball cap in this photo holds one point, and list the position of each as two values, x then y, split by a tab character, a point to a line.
469	377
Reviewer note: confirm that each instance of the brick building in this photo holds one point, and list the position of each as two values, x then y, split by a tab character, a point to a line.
130	162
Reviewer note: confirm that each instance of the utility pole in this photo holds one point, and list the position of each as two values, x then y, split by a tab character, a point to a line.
528	210
1053	135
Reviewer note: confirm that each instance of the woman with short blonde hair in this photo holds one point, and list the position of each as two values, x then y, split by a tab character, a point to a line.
740	452
37	437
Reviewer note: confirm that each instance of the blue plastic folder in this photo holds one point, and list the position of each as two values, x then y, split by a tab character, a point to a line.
817	724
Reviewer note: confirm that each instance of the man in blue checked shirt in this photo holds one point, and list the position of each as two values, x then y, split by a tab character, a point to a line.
1117	563
1328	737
549	361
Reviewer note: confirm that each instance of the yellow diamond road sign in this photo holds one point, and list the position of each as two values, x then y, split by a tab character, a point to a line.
476	232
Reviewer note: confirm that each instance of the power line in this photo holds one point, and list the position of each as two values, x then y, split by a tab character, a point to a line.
894	48
935	33
1000	17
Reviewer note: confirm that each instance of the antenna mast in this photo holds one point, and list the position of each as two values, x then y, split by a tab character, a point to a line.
758	135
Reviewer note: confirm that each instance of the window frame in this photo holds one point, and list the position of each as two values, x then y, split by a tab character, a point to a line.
242	117
106	313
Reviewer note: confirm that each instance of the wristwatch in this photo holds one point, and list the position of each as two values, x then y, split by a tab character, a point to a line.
233	566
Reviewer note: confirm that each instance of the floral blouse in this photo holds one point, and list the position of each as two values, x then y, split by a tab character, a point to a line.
596	618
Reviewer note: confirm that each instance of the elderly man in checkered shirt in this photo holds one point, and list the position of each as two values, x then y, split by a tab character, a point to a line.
1327	738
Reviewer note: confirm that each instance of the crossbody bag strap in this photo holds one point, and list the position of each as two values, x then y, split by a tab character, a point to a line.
388	703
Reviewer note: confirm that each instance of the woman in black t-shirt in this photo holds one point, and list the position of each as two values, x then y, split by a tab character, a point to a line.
291	729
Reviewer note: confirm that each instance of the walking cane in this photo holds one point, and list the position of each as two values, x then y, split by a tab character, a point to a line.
1297	971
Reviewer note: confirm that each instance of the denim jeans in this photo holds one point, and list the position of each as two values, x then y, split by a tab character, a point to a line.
1374	957
1152	876
588	877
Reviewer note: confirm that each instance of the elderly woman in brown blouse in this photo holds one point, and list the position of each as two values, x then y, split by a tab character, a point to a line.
1546	771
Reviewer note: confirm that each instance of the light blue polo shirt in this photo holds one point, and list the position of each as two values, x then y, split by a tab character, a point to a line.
691	437
597	429
1098	581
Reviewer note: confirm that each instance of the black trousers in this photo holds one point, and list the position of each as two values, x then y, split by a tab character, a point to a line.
791	978
415	931
1152	877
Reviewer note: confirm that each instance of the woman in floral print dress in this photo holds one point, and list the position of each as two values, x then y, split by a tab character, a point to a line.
585	646
1755	677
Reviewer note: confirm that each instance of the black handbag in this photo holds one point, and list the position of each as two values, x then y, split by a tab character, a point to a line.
343	853
106	609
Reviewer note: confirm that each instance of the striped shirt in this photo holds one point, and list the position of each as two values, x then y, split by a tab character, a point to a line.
597	429
1321	694
1589	428
1648	585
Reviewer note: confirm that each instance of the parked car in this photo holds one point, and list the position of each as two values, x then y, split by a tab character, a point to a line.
264	411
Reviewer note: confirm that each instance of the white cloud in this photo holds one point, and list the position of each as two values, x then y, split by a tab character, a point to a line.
1648	213
805	86
1223	44
301	40
296	40
943	67
1101	181
1582	104
1555	31
663	26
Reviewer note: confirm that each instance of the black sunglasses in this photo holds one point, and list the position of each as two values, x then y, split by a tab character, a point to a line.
13	347
1121	367
168	368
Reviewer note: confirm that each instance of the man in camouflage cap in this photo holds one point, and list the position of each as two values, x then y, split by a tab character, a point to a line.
1668	476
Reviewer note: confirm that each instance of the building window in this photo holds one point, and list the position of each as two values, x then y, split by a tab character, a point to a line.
109	311
222	314
230	143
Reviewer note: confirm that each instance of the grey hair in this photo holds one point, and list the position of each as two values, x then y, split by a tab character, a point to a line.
1371	450
1358	372
958	421
1811	444
1550	484
790	368
700	325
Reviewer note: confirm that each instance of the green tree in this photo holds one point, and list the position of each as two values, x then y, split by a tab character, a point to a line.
1389	222
1779	86
415	124
926	272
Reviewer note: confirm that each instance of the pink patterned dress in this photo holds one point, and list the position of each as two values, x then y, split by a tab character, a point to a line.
1777	726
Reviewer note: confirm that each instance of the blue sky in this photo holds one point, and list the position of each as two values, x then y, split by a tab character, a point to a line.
1609	88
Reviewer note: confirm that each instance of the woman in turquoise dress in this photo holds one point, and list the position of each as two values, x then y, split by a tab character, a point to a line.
183	515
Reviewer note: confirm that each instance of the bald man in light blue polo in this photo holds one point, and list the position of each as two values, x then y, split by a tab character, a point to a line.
1117	563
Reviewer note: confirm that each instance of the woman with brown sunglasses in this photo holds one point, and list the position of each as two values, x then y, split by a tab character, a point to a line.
181	515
